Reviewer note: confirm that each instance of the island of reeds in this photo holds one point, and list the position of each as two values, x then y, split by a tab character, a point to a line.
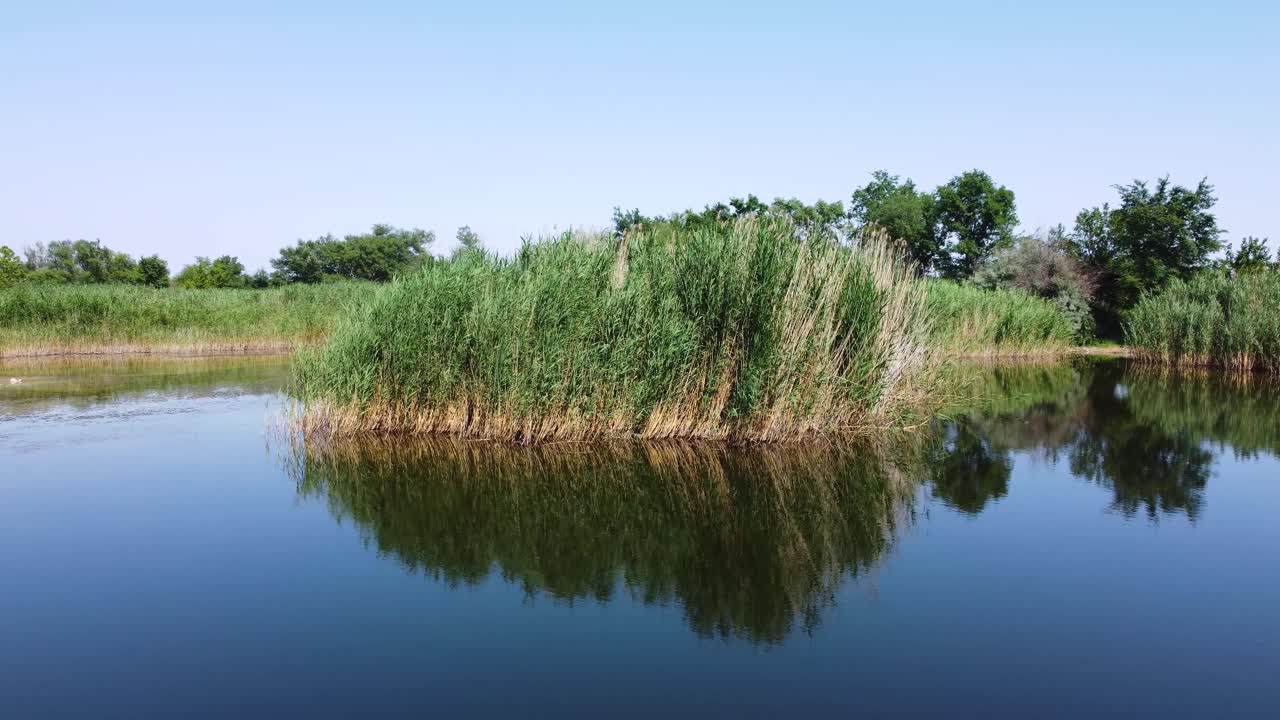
753	330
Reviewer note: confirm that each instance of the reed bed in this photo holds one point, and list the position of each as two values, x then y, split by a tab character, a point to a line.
120	319
972	321
748	331
1212	320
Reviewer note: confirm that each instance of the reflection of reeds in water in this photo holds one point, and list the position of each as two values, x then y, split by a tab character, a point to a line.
1240	410
86	382
750	543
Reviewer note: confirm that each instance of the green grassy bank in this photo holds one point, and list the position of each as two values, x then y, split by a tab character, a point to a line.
98	319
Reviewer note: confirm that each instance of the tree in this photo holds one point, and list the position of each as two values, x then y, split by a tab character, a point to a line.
224	272
1157	233
906	214
821	215
12	271
1253	255
153	272
80	261
378	255
262	280
974	217
467	238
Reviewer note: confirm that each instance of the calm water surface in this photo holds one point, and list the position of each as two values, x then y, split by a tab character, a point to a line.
1090	539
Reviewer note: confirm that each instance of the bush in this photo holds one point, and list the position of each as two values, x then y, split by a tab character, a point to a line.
1043	268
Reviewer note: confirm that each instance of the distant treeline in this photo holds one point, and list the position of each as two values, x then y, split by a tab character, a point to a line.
377	255
964	230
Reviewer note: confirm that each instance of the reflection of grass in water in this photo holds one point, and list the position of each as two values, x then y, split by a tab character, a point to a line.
749	543
83	382
1242	411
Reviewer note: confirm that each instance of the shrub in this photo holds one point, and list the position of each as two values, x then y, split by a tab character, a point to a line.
1043	268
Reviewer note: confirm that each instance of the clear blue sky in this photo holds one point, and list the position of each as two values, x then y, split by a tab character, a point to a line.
236	128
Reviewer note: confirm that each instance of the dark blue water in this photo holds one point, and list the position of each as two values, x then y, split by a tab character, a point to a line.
1091	539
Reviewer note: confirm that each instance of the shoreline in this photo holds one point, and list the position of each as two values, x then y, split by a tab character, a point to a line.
286	347
157	350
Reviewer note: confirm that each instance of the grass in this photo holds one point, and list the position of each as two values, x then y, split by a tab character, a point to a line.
98	319
973	321
750	331
1211	321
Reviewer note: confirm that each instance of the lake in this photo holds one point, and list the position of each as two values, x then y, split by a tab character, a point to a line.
1089	538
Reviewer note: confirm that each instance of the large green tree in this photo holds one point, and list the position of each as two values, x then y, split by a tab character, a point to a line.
153	272
908	215
974	218
1158	232
377	255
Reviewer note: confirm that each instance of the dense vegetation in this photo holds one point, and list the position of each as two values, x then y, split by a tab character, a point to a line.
962	236
43	319
972	321
748	330
1211	320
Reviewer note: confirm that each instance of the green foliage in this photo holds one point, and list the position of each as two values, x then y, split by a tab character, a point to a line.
974	217
41	318
1156	234
467	238
821	217
80	262
750	329
949	231
972	320
153	272
909	216
12	271
262	279
378	255
1211	320
224	272
1253	256
1043	267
